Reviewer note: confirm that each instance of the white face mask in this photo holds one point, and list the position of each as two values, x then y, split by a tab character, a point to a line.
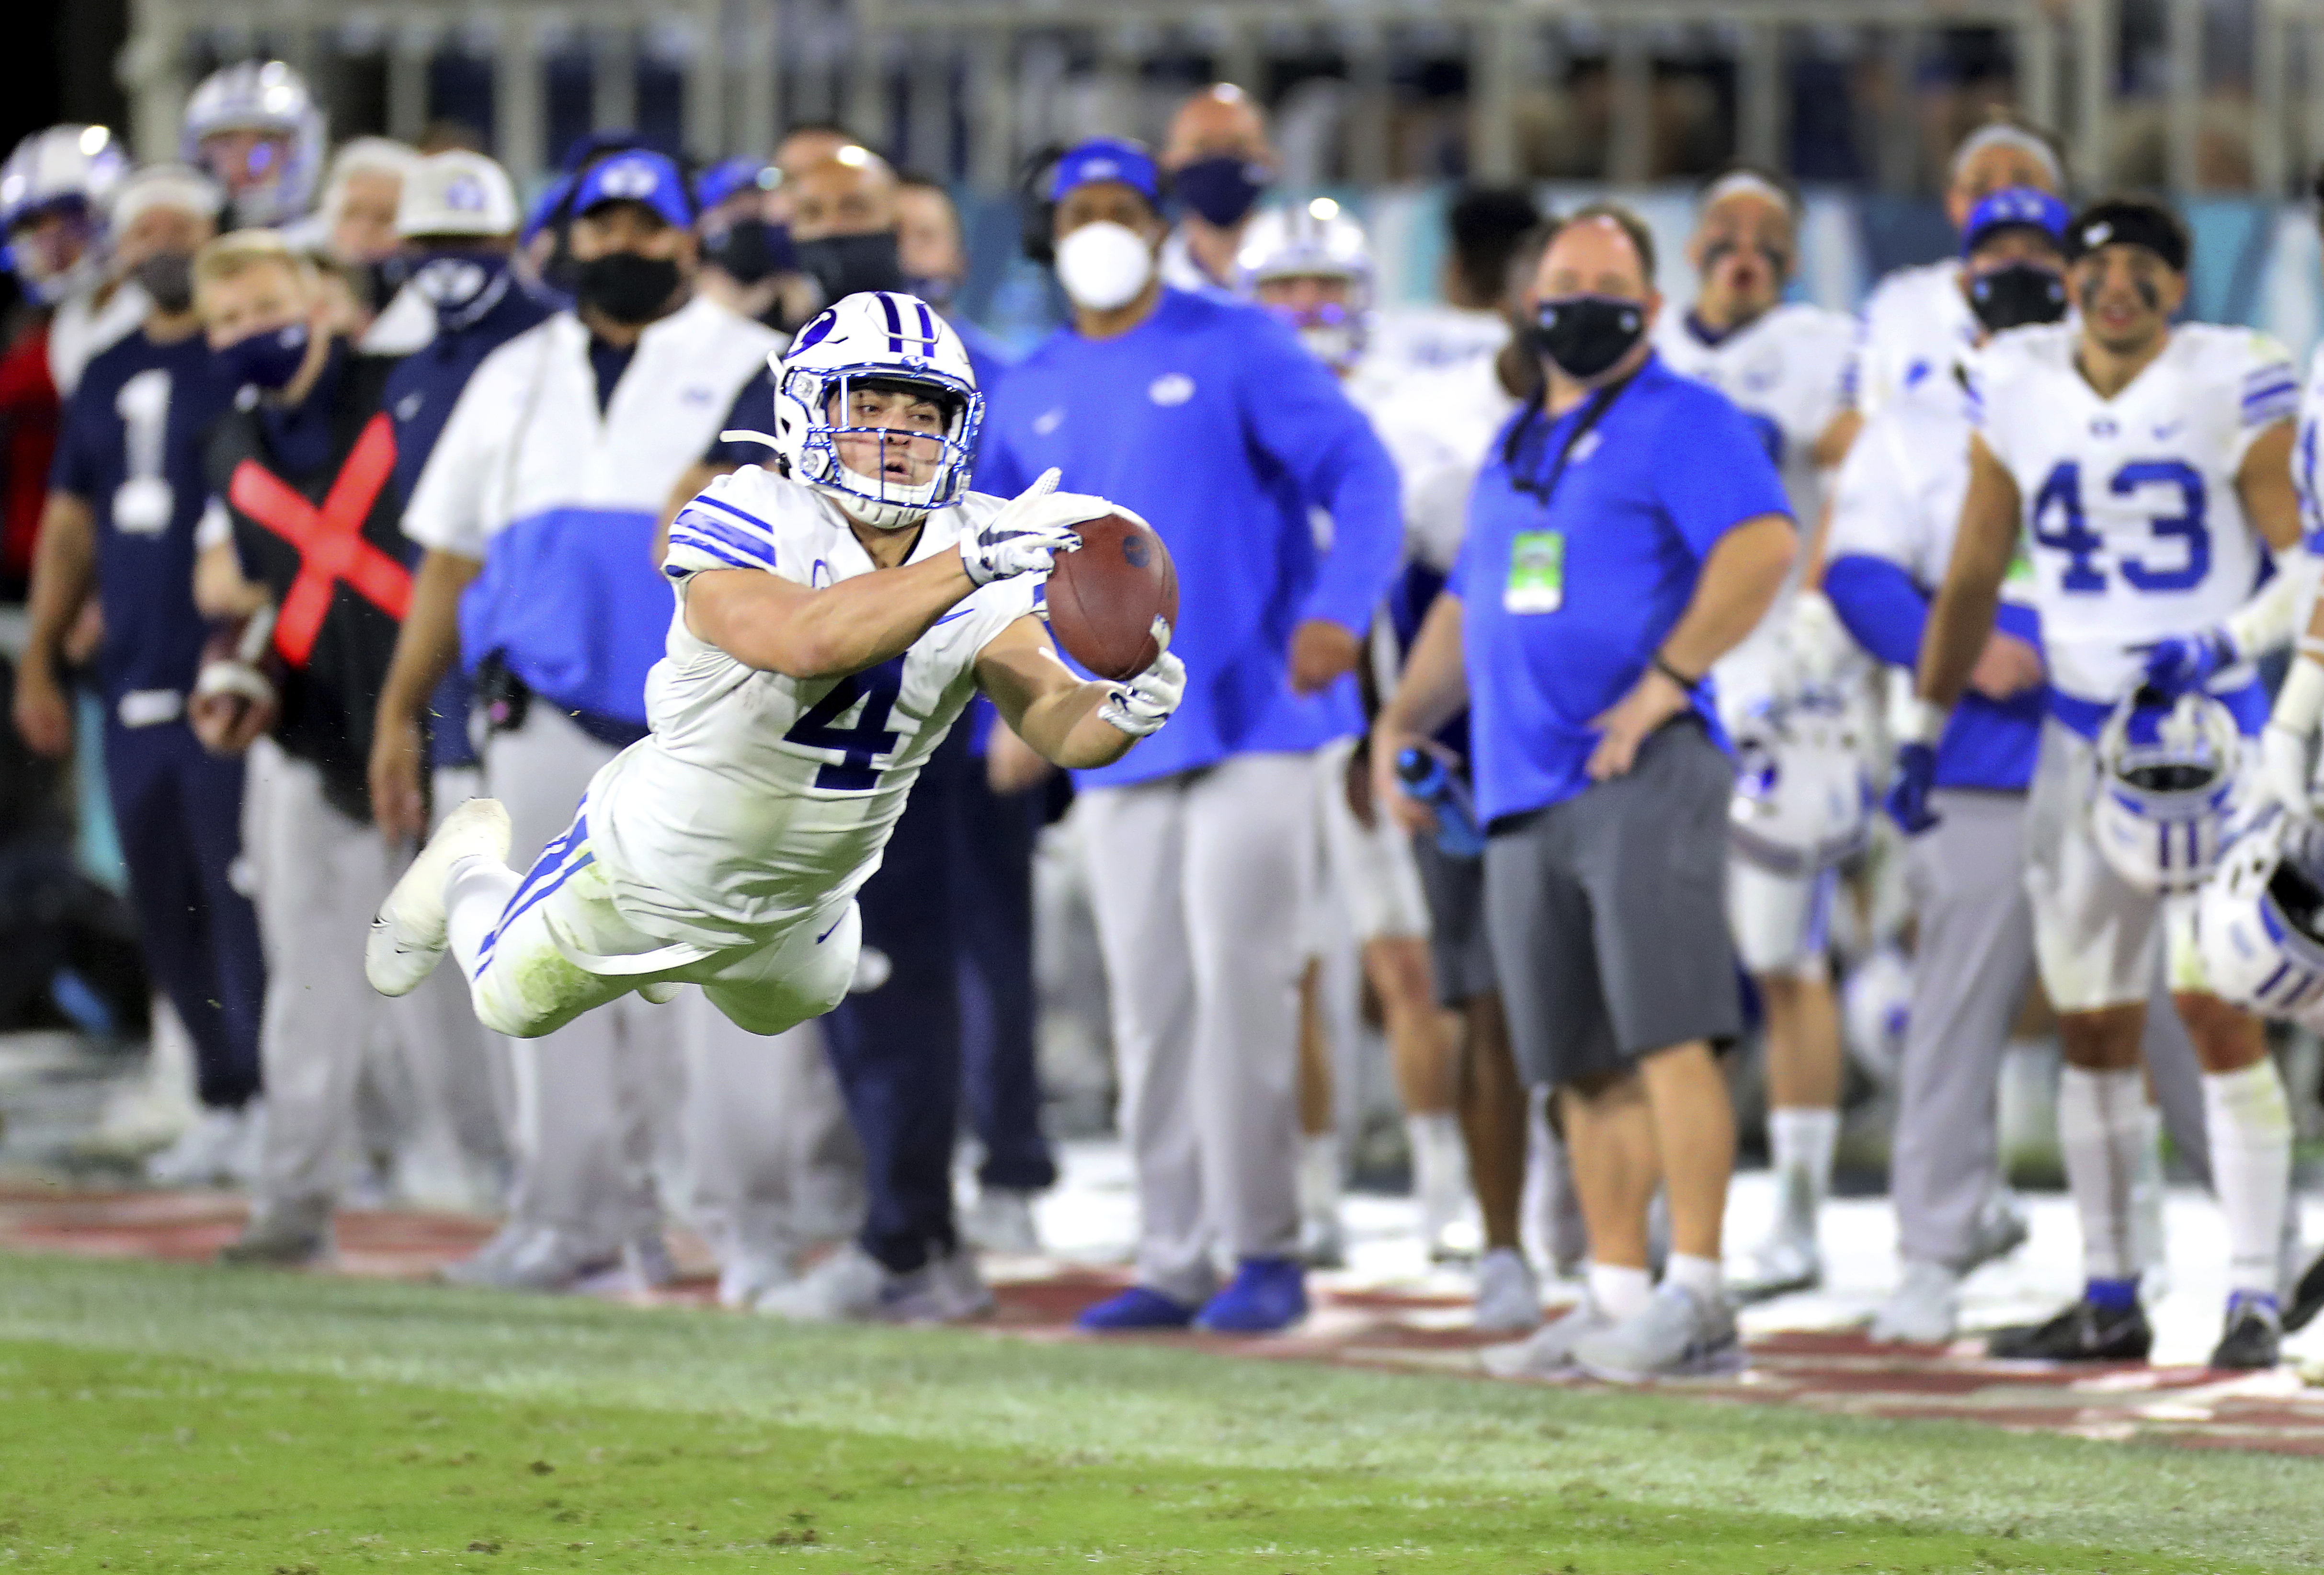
1104	265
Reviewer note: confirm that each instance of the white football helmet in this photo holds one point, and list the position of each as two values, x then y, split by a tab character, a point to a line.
1875	1008
1313	240
1803	799
277	184
2168	792
68	169
885	337
2259	923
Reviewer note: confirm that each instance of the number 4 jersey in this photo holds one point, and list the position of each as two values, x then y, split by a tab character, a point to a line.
760	799
2133	523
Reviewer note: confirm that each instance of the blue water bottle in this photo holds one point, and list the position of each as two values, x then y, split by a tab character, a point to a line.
1424	776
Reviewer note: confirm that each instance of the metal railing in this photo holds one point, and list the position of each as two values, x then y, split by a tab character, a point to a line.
968	86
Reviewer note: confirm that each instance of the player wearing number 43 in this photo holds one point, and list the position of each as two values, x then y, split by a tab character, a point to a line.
830	626
2146	466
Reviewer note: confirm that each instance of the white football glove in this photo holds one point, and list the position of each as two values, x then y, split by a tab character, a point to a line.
1145	703
1031	529
2284	768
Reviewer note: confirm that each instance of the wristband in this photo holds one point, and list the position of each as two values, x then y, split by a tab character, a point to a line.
1661	664
1924	722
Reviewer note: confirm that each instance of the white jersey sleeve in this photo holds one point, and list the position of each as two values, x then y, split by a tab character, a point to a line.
2305	474
718	532
447	509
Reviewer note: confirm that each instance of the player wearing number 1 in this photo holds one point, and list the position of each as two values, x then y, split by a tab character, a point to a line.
2148	467
831	624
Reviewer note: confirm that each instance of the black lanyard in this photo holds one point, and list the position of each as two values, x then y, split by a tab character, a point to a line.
1591	414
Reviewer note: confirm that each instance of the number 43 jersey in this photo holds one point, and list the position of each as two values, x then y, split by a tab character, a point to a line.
758	799
2133	523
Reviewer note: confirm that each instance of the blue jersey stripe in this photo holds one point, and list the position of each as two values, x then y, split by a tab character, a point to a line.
746	517
758	548
703	544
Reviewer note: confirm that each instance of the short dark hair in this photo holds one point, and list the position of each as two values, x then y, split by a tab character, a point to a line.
921	180
1486	224
1642	239
1525	260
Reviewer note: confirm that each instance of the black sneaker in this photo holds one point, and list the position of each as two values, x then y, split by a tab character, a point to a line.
2083	1332
2307	1298
2254	1335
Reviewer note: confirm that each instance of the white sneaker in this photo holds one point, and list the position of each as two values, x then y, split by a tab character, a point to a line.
2001	1230
1785	1262
1924	1309
750	1273
1676	1335
1549	1353
954	1292
1001	1220
1323	1241
1509	1298
408	936
532	1259
206	1153
850	1286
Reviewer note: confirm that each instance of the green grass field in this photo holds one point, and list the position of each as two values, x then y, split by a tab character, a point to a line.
162	1418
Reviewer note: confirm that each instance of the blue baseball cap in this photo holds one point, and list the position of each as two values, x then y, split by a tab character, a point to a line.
637	175
725	178
1106	159
2017	207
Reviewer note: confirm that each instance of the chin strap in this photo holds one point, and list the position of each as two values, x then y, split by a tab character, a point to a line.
744	435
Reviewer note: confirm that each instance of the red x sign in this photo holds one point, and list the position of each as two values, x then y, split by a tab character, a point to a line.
329	540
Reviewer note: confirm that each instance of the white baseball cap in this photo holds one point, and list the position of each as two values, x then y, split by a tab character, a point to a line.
456	193
178	186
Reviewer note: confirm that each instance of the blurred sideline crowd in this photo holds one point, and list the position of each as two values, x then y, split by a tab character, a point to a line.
289	599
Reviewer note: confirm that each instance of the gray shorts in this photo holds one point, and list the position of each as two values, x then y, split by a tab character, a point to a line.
1458	952
1608	915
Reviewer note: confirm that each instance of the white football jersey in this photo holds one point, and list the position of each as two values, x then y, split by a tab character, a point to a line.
1914	326
2305	475
2132	521
759	799
1898	495
1437	425
1786	370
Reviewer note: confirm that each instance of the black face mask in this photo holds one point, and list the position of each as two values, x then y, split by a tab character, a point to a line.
168	277
748	250
1584	334
625	287
848	265
1222	189
2017	295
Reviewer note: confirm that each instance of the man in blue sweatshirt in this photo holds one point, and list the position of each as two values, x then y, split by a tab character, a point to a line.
1210	420
1894	513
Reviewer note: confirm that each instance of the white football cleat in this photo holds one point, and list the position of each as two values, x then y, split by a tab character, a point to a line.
1508	1297
1924	1309
408	936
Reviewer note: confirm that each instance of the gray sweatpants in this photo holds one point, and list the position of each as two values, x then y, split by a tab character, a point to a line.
1197	882
771	1162
318	878
595	1098
1971	965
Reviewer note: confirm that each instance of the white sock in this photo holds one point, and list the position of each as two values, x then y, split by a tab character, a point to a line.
1619	1293
1800	1139
1319	1174
1440	1170
2103	1123
474	893
1701	1275
2250	1123
2149	1244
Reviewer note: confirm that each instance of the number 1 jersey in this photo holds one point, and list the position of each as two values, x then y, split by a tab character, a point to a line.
760	799
2132	521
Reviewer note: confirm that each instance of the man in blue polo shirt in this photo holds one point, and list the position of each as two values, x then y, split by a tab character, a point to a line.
1626	531
1209	419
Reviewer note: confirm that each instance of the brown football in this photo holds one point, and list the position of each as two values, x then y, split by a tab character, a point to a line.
1105	597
